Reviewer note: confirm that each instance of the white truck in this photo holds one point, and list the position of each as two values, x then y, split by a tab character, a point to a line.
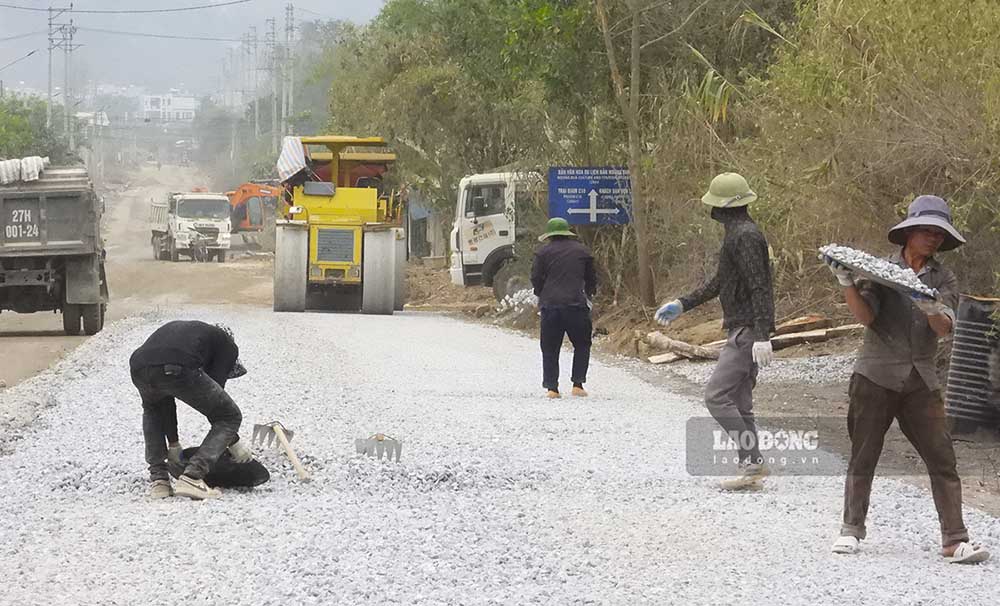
185	220
484	231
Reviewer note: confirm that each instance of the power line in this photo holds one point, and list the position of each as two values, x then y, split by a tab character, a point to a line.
149	35
133	12
3	67
19	36
306	10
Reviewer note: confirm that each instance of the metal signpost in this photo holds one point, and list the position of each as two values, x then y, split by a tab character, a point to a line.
590	195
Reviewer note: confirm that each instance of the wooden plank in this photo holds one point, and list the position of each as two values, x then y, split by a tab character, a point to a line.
846	330
666	358
660	340
798	338
803	324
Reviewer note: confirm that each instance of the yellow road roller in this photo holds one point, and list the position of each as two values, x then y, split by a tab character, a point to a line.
339	237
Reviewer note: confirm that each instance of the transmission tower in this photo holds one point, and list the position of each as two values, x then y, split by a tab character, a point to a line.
271	39
287	82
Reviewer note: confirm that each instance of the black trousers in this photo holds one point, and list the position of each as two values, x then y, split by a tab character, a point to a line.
573	322
226	473
199	391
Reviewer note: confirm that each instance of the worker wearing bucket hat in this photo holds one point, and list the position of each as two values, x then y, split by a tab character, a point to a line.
744	287
564	280
895	377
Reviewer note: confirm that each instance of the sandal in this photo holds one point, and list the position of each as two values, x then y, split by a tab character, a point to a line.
968	553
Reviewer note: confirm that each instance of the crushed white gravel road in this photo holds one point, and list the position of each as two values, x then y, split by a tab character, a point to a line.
502	496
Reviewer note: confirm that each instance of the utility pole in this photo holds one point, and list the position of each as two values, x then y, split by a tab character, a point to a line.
68	47
254	68
54	13
289	65
273	68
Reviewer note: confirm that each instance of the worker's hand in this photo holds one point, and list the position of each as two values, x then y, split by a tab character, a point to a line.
762	353
174	453
669	312
844	275
240	452
931	307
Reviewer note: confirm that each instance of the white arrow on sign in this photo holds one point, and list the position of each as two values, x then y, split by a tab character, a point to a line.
593	211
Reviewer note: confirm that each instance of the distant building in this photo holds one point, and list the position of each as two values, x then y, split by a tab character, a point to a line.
169	108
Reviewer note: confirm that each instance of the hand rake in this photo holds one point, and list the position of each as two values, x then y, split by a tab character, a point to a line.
379	444
276	429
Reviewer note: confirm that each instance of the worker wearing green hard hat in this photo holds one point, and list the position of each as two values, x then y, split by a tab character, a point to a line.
557	226
564	280
743	285
729	190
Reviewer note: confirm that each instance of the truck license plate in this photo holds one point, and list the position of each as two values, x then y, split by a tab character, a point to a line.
22	224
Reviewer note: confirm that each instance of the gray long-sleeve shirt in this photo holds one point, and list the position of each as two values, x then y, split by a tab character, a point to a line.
900	338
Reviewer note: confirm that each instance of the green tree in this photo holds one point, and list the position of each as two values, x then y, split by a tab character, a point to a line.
23	132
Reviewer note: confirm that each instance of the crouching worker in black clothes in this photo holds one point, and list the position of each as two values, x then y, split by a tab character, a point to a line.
226	473
192	361
565	281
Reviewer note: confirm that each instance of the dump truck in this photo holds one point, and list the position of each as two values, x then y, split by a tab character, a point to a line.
185	217
484	232
340	243
51	249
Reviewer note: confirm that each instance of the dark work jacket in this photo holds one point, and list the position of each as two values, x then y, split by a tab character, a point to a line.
563	273
743	280
191	344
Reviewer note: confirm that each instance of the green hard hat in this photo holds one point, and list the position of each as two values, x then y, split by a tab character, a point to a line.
557	226
729	190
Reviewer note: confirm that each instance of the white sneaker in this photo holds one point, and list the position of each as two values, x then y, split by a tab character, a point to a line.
751	478
195	489
160	489
846	545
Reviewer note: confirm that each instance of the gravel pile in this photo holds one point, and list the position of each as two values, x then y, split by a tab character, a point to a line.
876	267
519	302
813	370
502	497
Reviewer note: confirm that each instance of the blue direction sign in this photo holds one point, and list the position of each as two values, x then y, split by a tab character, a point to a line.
590	195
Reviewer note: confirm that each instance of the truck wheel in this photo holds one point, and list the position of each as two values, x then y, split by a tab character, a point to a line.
172	251
508	280
220	256
500	280
93	318
71	319
156	249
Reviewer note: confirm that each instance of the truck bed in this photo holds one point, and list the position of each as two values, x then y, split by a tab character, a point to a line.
55	214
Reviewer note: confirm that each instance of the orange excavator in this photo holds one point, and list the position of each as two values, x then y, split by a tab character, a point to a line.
252	205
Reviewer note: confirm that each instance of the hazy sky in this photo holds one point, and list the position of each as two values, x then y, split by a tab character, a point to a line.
154	63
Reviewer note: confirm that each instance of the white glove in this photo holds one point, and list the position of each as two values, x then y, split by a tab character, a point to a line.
762	353
240	452
669	312
843	275
174	453
931	307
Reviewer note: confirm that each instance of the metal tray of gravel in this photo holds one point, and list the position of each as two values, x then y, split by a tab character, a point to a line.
878	270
